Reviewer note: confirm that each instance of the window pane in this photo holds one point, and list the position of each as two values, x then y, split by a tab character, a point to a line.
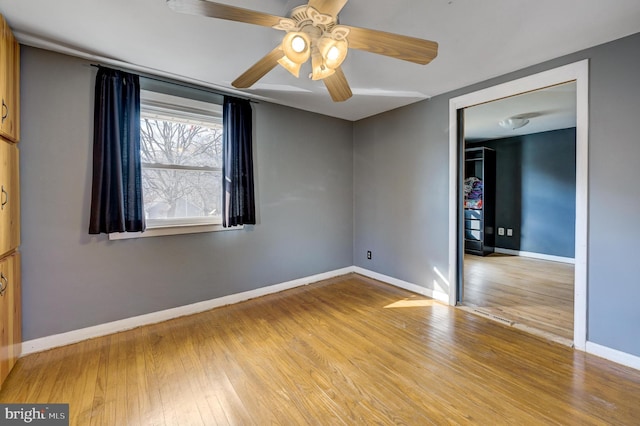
172	194
174	142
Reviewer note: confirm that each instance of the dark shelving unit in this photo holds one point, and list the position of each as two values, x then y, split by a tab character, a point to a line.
479	217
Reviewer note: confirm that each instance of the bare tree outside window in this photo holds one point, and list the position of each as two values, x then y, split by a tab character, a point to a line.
181	167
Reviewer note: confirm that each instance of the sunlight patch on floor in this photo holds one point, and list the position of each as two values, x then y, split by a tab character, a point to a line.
412	303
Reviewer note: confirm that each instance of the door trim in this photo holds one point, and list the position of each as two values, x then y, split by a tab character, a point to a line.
578	71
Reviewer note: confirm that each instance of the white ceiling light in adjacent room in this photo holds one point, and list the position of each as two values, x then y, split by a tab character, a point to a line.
513	123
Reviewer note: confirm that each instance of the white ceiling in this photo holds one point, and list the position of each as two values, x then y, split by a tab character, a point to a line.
478	40
546	109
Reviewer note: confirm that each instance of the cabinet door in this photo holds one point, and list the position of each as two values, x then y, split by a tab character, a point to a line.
10	314
6	271
9	198
15	349
9	83
13	301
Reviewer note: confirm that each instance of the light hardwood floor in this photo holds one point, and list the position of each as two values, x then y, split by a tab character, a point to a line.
533	293
349	350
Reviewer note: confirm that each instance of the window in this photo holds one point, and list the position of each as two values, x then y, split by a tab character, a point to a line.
181	159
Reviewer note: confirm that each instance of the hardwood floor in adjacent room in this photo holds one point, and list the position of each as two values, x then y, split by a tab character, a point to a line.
532	293
349	350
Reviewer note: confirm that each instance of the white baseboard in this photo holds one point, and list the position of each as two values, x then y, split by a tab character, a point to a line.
434	294
74	336
535	255
614	355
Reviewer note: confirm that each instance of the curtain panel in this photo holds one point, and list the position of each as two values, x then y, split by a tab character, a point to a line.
238	203
116	193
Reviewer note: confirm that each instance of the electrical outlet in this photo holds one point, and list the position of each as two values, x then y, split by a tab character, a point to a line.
500	231
369	254
509	232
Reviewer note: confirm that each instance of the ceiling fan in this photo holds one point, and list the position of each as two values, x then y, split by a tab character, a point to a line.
313	31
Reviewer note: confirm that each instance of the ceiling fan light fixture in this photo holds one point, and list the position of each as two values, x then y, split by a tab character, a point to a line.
298	44
513	123
296	47
319	70
289	65
333	51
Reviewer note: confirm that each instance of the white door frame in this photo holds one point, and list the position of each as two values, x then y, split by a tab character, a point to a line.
578	71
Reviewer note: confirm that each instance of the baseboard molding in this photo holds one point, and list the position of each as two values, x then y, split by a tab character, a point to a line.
75	336
614	355
434	294
535	255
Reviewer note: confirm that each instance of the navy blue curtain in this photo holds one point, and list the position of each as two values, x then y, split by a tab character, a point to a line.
238	204
116	193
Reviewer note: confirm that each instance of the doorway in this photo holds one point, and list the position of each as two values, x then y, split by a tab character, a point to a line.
519	207
577	72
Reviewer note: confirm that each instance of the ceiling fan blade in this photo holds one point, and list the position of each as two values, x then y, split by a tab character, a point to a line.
338	86
223	11
328	7
259	69
396	46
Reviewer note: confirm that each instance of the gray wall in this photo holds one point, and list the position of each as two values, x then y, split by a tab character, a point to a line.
304	171
401	193
536	191
395	204
401	190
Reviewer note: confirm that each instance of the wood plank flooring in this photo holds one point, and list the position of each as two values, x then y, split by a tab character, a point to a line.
533	293
350	351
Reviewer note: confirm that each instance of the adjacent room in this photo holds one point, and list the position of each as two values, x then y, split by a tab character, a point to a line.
519	209
273	212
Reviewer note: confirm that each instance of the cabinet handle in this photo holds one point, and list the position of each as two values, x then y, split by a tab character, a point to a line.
6	198
5	110
4	282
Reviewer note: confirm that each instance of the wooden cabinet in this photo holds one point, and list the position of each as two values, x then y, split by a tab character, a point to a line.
9	83
10	313
10	279
9	198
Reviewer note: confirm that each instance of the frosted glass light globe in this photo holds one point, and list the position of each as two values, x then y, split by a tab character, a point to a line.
298	44
333	53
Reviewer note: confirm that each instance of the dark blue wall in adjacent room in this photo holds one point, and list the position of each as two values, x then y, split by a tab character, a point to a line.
535	191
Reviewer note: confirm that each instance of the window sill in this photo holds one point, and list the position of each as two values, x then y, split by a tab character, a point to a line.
160	231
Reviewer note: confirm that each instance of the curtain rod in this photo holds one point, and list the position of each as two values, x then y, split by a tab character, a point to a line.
186	84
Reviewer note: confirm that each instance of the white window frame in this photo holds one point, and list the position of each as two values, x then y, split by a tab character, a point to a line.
161	105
